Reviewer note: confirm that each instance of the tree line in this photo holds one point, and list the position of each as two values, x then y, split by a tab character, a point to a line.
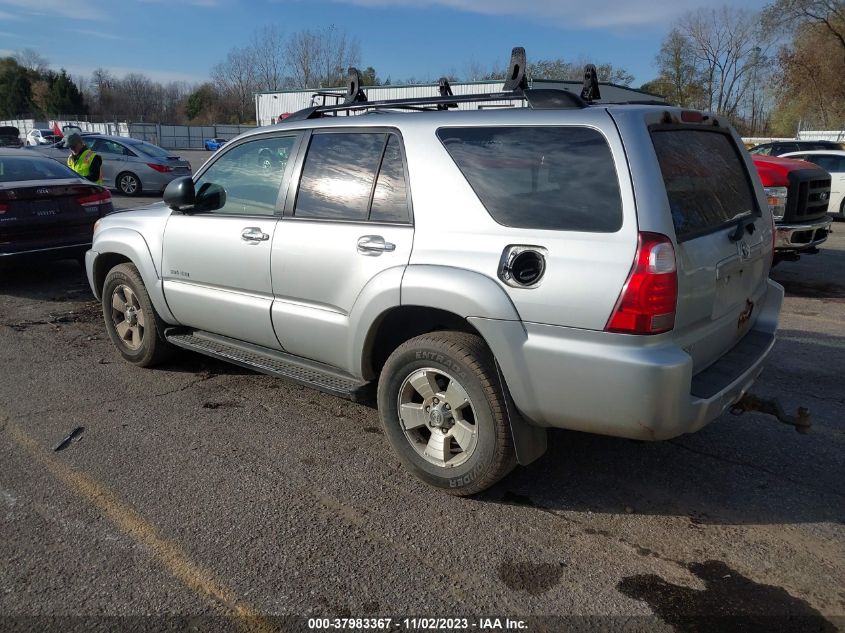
770	72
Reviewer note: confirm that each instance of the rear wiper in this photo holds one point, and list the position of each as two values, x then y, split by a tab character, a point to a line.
741	228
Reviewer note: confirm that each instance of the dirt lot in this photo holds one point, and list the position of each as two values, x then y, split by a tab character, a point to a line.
200	490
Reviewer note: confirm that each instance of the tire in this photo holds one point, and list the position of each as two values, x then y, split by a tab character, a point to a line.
134	327
427	440
128	184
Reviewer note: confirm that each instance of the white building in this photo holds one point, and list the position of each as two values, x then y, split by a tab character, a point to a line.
269	105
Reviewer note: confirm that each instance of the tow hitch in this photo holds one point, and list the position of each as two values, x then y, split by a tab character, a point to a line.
750	402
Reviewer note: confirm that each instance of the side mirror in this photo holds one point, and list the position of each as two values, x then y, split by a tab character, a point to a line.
179	194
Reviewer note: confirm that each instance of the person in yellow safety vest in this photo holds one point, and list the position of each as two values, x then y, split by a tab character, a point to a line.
83	160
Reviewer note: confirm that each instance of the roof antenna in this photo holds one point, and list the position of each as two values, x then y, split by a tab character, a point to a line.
590	91
516	79
354	92
446	91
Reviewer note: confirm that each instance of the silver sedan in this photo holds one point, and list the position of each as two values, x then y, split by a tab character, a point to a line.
129	165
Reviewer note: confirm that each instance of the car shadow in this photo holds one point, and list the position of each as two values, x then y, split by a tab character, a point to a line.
745	469
810	277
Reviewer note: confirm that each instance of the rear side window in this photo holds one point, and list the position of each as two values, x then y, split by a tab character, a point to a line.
706	180
828	162
356	176
556	178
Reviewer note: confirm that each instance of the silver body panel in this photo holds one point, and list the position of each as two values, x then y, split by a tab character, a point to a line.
308	289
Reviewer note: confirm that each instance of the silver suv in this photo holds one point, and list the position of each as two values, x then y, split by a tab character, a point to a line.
488	274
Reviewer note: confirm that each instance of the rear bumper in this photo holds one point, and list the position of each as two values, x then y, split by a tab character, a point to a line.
621	385
798	237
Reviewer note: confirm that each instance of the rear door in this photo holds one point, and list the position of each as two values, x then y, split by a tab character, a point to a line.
347	230
723	236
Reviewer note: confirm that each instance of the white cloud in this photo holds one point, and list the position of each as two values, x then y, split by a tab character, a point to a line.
575	13
193	3
100	34
73	9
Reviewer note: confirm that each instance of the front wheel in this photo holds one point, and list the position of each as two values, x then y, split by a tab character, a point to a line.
444	412
128	184
132	323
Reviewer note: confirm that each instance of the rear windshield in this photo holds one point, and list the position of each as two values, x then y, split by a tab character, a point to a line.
558	178
705	178
16	168
150	150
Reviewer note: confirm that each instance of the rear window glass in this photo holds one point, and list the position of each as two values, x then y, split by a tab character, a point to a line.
557	178
151	150
706	180
14	168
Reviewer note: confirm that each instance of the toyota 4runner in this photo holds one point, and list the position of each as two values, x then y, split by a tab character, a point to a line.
488	273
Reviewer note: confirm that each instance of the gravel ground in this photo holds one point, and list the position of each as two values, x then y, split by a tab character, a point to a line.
201	490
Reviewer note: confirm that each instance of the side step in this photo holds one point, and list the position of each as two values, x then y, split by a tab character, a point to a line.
299	370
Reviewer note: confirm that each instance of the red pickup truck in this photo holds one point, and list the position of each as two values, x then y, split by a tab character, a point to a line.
798	193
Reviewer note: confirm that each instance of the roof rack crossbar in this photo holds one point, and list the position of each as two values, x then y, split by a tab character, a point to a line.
515	88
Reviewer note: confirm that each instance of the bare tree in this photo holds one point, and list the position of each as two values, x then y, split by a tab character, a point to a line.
793	13
680	81
728	45
236	79
320	59
32	60
269	57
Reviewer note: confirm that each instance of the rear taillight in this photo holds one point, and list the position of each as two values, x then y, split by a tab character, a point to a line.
647	302
92	200
160	168
3	208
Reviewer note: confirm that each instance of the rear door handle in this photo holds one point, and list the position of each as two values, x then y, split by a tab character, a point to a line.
374	245
254	234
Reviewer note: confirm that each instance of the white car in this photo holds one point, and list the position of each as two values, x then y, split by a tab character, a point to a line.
833	161
43	136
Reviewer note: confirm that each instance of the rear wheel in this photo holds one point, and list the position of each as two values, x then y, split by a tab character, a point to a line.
444	412
128	184
133	325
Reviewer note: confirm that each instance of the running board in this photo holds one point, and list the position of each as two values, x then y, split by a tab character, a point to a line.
272	362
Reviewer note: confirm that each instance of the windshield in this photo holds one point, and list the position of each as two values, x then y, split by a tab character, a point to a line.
150	150
17	168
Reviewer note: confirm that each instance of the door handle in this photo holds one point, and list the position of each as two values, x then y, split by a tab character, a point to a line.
254	234
374	245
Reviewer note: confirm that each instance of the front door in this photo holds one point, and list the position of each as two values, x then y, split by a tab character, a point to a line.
344	242
216	260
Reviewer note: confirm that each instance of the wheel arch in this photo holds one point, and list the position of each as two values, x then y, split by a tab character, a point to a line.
120	245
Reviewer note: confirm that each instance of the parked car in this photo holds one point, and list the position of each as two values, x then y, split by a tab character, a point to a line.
833	162
129	165
46	210
779	148
798	194
213	144
44	136
10	136
488	274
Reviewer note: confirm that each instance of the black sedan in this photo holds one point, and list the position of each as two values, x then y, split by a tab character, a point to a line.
46	210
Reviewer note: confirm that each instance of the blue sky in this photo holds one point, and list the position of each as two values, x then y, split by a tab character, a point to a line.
183	39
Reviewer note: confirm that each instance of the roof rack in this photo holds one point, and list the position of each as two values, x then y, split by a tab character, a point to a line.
515	87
